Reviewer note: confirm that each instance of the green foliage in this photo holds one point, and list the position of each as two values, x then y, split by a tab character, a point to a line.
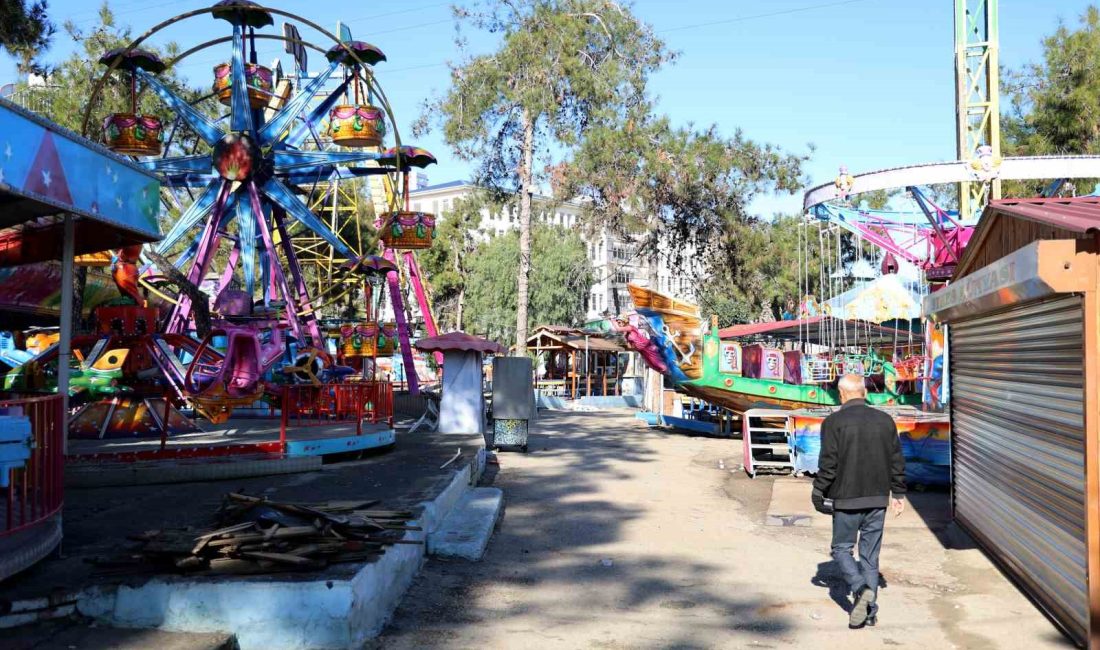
876	200
686	186
447	262
1054	105
762	265
562	64
70	85
560	279
25	31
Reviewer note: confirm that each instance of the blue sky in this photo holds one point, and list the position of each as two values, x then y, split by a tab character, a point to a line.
869	82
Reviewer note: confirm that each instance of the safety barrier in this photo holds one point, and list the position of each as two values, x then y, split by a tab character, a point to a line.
328	404
34	489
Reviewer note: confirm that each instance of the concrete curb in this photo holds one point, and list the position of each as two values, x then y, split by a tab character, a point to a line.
273	613
92	475
467	530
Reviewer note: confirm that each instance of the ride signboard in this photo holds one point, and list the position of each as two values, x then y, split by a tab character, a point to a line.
55	171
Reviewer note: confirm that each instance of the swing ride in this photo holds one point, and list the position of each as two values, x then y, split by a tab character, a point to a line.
267	226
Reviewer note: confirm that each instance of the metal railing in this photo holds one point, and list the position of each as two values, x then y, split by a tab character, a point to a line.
330	404
35	492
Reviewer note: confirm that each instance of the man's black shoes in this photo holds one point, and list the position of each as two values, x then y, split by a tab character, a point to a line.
861	608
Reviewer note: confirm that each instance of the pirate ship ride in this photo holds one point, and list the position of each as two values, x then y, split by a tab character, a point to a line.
787	364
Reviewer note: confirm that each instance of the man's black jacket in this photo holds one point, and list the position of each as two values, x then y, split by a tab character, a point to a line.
860	463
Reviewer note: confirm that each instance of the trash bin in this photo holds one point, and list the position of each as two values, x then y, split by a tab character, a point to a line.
513	402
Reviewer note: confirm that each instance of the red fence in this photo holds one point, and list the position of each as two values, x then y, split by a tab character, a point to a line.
35	491
329	404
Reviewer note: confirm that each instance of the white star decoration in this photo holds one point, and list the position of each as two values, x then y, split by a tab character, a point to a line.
46	180
118	201
7	150
115	177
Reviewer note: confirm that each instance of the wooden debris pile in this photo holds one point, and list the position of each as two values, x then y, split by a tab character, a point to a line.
257	535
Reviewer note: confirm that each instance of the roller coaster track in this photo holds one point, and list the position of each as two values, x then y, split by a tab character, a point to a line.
958	171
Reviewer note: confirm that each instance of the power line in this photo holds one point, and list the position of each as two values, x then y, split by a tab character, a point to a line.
402	11
408	27
130	12
770	14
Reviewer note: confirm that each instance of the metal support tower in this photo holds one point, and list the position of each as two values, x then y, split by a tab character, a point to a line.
977	92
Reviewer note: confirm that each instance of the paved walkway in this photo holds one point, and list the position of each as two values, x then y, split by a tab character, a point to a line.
620	537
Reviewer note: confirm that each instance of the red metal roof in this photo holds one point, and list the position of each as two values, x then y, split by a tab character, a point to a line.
794	329
748	329
459	341
1080	214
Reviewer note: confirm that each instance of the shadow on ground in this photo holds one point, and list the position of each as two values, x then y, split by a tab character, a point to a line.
558	515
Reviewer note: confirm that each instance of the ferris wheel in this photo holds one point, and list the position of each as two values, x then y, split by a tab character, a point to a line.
245	214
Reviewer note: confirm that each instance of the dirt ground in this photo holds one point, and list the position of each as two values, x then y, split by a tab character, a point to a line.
617	536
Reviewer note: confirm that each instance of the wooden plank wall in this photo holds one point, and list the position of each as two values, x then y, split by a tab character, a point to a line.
1008	235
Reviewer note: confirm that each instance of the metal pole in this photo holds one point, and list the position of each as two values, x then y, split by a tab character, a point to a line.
587	370
65	342
977	94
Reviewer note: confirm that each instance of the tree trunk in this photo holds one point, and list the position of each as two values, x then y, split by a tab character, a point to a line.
461	306
458	255
652	254
526	190
200	302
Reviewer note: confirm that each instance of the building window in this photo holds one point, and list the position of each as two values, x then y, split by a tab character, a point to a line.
435	206
416	206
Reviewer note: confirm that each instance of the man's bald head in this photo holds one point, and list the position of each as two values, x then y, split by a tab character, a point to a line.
851	387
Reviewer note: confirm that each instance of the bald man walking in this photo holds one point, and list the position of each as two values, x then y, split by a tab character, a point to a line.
860	467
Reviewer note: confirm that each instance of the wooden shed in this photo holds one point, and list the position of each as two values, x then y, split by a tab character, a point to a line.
1022	315
574	363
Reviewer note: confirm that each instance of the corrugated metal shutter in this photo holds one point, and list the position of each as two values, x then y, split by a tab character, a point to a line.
1019	449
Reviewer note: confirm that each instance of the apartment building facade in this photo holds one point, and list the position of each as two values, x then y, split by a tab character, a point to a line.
615	260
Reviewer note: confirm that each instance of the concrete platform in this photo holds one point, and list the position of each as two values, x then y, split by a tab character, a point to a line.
790	506
238	436
340	606
466	531
80	634
24	548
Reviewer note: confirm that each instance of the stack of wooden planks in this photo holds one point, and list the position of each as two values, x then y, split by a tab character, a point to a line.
257	535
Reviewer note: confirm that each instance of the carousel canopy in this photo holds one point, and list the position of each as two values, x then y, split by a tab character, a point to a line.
133	59
884	299
243	12
365	52
410	156
461	342
371	265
